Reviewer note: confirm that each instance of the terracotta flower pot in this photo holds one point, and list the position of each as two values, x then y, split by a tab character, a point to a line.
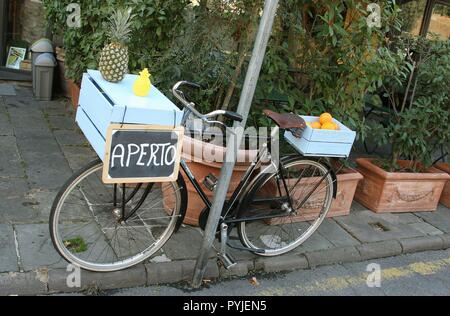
194	151
445	197
384	192
64	83
348	180
75	93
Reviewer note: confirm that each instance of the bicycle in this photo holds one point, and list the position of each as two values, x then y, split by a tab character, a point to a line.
275	208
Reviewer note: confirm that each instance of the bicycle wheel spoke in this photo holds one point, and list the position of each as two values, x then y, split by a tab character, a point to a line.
88	230
306	181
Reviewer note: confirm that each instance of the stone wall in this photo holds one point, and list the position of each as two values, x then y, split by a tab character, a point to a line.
31	20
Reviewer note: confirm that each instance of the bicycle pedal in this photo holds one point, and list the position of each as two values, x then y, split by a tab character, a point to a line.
227	260
210	182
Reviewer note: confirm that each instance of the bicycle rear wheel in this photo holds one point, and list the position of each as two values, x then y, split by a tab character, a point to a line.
87	225
311	188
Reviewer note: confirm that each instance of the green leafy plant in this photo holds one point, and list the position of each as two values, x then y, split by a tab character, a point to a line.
416	93
76	245
155	25
326	58
322	56
213	51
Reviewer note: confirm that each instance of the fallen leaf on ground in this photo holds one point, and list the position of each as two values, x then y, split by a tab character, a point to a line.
254	281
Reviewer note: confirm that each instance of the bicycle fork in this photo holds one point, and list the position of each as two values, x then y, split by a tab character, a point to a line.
224	257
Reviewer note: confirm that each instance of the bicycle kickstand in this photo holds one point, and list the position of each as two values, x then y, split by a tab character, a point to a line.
224	257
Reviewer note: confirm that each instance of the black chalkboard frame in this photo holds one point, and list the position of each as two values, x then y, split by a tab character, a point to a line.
107	179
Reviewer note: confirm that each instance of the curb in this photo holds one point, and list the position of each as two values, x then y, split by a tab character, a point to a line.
44	281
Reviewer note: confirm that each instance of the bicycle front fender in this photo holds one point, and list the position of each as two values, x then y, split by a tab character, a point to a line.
184	202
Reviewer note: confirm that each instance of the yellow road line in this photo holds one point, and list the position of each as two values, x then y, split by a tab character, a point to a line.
344	282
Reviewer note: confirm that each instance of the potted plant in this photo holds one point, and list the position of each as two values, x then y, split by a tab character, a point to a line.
445	198
63	81
417	91
347	181
205	158
83	44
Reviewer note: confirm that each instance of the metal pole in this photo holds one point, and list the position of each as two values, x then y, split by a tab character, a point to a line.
248	92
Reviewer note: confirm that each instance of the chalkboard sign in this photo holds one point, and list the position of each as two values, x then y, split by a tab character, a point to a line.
142	153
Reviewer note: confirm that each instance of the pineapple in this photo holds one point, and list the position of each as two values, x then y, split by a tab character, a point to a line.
114	57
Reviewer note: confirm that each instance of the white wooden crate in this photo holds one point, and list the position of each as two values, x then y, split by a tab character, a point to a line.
103	103
323	143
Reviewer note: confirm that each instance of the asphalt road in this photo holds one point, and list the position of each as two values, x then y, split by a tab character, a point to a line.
425	273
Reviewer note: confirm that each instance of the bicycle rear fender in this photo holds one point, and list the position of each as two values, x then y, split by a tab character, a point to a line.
334	177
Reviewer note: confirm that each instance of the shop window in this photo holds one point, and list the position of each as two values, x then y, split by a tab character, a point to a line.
412	16
440	22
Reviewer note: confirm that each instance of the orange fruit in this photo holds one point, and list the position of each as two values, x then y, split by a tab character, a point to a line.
337	127
316	125
329	126
326	118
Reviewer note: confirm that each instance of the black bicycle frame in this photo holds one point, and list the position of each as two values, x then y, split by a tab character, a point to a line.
236	194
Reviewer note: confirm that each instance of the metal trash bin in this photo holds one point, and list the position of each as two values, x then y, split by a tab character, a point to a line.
38	48
44	72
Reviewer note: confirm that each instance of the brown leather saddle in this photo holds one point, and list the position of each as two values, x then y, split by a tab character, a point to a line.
286	121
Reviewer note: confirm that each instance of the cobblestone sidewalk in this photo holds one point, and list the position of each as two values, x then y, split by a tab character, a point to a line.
41	146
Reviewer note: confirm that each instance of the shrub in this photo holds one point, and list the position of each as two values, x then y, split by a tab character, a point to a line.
330	56
322	56
417	92
156	23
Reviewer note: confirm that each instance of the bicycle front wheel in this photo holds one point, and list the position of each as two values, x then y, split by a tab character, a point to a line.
90	228
310	187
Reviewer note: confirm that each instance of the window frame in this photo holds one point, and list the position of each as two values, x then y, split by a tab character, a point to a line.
429	8
3	27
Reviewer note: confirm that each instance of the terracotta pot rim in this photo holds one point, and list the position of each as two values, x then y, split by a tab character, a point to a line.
243	155
349	174
216	165
433	174
443	166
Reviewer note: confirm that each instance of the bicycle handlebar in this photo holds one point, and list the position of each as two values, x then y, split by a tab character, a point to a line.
180	96
191	106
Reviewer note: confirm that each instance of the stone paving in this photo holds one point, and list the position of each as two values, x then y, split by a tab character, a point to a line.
42	147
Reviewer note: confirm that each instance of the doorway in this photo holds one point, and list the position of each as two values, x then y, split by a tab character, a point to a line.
11	68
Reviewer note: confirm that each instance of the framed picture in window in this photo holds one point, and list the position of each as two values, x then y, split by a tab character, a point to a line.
15	56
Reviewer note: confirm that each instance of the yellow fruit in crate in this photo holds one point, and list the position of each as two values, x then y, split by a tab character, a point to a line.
329	126
316	125
326	118
337	127
142	85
